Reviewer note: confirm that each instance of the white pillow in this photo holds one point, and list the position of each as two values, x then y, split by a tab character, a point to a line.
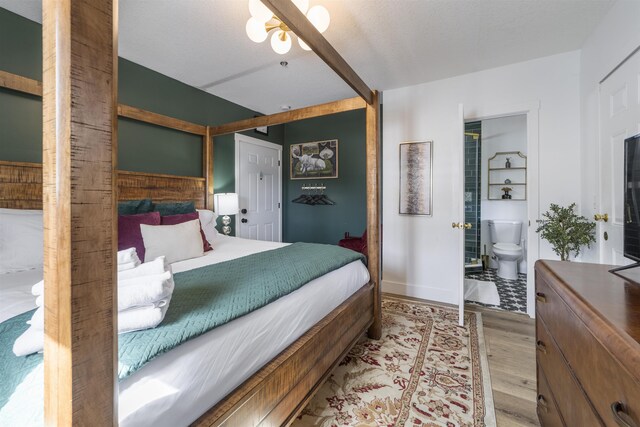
174	242
21	240
208	223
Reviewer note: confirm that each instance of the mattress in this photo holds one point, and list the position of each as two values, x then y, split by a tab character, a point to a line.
177	387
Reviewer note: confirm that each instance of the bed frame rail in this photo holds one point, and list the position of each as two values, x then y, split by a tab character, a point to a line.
292	378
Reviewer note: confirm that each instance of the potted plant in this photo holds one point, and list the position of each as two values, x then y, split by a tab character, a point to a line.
565	230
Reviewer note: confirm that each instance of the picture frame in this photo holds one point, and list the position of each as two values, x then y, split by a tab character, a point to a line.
314	160
416	178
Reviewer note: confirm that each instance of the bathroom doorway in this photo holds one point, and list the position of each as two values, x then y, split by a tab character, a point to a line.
496	212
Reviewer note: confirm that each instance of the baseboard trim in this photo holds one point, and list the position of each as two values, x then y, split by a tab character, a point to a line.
428	293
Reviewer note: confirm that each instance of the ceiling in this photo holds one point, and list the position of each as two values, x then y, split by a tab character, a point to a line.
389	43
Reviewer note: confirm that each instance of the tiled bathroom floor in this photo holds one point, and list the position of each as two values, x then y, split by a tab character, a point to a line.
513	293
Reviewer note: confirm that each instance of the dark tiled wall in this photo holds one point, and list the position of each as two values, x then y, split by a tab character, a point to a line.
472	191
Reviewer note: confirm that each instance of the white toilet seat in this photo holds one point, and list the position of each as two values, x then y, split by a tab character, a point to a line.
507	247
507	255
507	251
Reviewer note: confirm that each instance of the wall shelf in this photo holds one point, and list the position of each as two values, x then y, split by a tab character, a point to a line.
497	171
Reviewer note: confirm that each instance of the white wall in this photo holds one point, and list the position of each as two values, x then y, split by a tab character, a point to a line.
615	37
499	135
413	257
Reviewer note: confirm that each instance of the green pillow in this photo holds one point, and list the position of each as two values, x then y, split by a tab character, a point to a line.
132	207
174	208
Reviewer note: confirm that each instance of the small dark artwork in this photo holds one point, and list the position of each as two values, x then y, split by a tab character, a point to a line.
415	178
313	160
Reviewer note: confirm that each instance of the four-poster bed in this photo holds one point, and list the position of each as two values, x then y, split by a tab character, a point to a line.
80	185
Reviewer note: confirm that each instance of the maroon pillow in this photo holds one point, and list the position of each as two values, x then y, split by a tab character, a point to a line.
180	218
129	234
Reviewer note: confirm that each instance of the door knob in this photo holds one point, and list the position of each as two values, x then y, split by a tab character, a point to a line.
601	217
467	225
244	211
244	220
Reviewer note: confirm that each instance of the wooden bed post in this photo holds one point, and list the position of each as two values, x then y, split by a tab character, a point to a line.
79	194
207	164
373	211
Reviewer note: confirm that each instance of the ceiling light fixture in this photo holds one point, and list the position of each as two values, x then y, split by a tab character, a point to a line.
263	21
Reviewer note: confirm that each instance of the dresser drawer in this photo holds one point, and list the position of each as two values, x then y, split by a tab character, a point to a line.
572	402
603	379
546	406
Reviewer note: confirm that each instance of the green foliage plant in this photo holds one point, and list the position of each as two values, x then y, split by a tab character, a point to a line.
566	231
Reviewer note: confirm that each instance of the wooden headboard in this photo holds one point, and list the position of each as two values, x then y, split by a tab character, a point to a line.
21	186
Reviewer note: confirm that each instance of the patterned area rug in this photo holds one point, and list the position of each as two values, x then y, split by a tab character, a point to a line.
425	371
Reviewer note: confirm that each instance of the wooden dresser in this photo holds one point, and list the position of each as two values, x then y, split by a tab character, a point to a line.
588	346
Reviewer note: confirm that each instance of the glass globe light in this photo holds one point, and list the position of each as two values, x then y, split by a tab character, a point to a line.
319	17
303	5
303	44
256	31
280	42
259	11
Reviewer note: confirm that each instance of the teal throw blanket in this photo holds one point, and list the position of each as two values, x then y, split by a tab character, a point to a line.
203	299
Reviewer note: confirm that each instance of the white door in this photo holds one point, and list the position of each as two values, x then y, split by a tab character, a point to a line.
259	188
459	190
619	119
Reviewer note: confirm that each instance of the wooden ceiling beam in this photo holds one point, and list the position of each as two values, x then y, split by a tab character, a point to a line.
288	13
319	110
20	84
160	120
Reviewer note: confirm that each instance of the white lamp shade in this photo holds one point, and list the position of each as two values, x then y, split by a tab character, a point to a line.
303	5
259	11
303	44
278	44
226	203
319	17
256	30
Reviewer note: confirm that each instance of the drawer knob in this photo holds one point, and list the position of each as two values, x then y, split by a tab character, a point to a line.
541	347
540	297
620	414
542	403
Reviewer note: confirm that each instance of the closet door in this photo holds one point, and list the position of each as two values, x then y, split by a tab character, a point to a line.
259	185
619	119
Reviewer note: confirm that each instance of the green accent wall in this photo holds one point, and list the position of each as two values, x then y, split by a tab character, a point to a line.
148	148
327	224
141	147
20	114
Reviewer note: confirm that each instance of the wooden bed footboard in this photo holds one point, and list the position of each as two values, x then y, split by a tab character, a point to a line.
277	393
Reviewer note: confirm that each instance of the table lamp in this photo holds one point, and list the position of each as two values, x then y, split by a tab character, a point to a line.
226	204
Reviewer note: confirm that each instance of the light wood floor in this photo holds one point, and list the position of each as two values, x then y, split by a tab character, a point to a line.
510	342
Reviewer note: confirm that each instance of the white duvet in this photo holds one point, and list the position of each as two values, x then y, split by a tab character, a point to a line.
175	388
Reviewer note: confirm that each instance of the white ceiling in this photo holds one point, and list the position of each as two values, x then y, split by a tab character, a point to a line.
389	43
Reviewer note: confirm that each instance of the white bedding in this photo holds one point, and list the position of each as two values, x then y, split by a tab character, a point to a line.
175	388
15	292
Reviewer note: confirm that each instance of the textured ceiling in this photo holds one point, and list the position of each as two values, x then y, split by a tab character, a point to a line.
389	43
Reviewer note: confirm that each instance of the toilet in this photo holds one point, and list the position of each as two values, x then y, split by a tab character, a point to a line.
505	237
